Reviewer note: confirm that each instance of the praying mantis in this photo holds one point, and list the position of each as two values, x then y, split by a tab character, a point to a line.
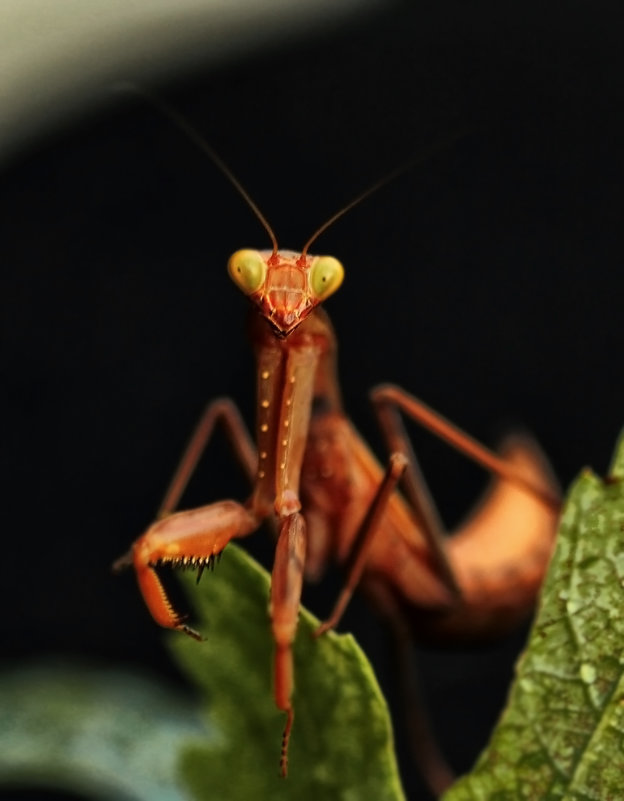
328	498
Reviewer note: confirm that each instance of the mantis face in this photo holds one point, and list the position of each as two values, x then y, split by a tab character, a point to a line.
284	285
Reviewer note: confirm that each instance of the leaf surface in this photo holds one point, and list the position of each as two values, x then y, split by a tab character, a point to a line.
341	746
562	733
110	734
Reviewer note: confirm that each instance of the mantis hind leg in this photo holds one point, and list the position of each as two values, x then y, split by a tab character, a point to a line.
389	402
220	411
364	538
389	396
431	763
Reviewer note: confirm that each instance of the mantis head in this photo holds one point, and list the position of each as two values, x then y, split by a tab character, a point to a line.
284	285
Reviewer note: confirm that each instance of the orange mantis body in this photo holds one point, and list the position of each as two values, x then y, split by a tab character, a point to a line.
329	498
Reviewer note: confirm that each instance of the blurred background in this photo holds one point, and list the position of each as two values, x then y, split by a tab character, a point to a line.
487	279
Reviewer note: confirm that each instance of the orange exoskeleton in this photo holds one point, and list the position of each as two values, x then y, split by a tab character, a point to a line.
312	474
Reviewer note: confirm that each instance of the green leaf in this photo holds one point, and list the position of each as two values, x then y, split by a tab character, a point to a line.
341	746
110	734
562	733
107	734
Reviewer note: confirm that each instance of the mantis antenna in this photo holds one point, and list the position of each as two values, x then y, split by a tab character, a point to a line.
193	134
419	158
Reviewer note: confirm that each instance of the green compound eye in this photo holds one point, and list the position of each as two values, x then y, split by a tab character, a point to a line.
247	269
326	276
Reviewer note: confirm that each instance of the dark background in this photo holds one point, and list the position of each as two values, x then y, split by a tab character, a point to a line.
487	280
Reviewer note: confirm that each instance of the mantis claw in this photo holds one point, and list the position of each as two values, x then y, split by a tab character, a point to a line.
191	632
